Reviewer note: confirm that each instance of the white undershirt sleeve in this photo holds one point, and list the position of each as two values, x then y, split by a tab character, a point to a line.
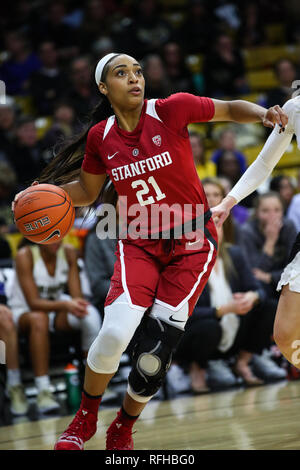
262	167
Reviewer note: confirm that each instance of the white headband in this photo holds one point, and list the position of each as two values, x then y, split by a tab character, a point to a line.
101	64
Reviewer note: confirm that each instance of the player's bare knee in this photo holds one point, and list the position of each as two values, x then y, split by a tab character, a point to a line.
38	322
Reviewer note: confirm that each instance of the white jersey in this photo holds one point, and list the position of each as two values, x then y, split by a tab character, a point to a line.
275	146
49	287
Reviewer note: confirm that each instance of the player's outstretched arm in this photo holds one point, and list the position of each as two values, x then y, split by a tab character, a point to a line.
245	112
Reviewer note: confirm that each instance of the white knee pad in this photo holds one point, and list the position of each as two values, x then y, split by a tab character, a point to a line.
119	325
89	326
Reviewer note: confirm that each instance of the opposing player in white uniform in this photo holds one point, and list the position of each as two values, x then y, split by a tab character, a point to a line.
287	321
38	300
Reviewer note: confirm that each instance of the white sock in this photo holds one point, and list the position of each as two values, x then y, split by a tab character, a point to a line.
13	377
42	382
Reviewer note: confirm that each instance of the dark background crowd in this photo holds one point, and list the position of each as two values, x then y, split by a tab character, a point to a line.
219	48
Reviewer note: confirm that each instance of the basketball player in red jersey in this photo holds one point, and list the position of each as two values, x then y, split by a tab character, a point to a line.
143	146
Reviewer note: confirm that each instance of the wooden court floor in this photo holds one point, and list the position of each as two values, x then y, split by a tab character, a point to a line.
261	418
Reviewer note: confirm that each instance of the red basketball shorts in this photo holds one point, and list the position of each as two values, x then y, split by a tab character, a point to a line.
161	272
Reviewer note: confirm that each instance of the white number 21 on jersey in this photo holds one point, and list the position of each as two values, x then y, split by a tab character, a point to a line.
145	190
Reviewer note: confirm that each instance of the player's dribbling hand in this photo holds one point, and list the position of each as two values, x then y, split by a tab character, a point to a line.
18	195
275	115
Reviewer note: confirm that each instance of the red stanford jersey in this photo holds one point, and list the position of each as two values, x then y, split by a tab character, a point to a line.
153	166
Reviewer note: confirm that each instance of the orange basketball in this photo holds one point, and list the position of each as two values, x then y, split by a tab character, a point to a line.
44	213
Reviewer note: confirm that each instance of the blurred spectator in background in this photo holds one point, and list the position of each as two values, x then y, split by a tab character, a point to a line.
267	239
8	184
284	186
224	69
198	29
39	303
157	83
293	213
25	153
15	71
48	84
8	113
52	27
179	75
230	162
204	167
83	94
146	32
252	28
286	73
227	142
63	126
95	22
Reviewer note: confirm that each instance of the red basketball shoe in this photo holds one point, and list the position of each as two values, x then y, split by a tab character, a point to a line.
81	429
119	435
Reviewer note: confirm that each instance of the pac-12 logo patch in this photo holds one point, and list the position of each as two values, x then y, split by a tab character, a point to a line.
157	140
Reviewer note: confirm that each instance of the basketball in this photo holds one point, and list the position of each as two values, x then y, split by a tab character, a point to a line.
44	213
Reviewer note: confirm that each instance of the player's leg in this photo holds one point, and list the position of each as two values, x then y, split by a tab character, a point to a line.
287	325
119	325
36	326
89	325
181	283
14	389
152	355
131	292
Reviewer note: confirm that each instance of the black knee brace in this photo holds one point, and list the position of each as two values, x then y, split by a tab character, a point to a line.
152	355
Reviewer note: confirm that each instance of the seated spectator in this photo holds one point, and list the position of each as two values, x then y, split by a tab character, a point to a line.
227	141
267	239
21	63
25	153
8	184
8	333
293	213
48	84
157	83
286	72
284	186
179	75
39	303
205	168
83	94
215	193
229	322
224	69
